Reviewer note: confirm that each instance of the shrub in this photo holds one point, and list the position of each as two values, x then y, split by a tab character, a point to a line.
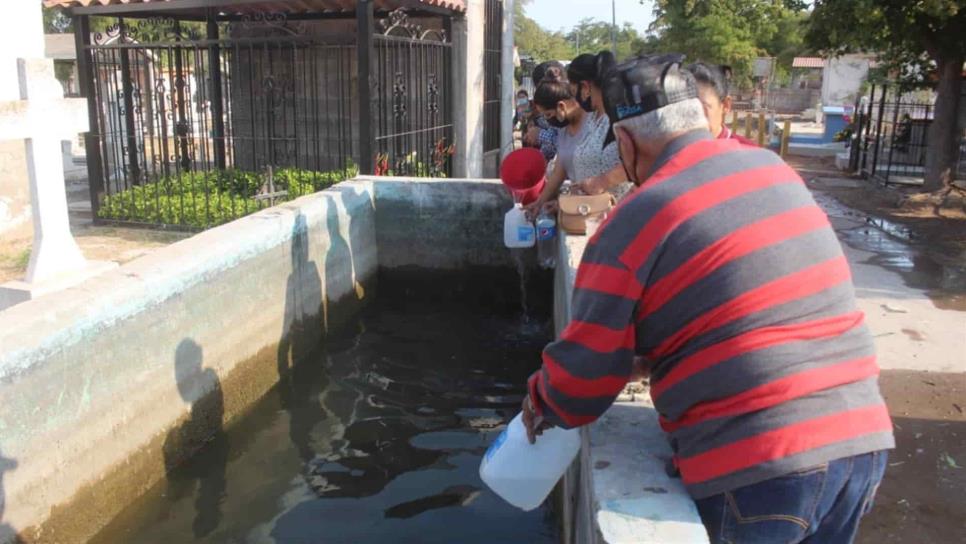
206	199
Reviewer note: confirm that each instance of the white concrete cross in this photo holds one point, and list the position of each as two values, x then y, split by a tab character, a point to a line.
43	119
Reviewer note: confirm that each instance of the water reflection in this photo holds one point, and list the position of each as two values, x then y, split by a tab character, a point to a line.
378	437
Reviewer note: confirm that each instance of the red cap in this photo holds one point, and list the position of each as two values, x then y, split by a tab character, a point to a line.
524	172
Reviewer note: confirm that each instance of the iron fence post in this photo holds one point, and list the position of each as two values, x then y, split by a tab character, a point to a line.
217	104
450	88
134	166
878	130
182	127
857	134
92	140
365	20
892	144
866	126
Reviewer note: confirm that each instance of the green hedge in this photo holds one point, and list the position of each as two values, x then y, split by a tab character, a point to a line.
207	199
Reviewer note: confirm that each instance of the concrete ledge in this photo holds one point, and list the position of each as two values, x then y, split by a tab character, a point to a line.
182	340
618	490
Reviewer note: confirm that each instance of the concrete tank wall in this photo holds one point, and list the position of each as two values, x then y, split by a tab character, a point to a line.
93	379
107	384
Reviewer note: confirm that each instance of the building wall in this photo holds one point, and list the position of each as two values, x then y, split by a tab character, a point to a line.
21	36
842	78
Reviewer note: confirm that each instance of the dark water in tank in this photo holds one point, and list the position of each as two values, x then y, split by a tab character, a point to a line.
377	436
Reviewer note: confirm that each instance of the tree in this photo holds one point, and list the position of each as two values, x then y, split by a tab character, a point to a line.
733	32
536	42
924	37
592	36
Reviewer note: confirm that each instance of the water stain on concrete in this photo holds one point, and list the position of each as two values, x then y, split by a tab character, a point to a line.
894	247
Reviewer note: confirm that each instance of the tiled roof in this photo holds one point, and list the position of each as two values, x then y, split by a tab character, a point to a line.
808	62
286	6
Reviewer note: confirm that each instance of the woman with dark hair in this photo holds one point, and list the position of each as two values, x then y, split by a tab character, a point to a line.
538	132
714	91
577	103
597	168
555	103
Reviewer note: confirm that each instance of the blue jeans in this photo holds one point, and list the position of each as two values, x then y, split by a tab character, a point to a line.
821	505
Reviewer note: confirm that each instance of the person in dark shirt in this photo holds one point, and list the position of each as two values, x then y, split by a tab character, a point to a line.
722	272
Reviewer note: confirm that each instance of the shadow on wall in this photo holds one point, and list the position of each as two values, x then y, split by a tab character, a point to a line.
202	438
301	330
7	533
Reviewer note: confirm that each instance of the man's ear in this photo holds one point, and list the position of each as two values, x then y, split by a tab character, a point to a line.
727	104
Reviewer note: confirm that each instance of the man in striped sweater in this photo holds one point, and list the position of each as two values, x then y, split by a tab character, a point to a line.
723	273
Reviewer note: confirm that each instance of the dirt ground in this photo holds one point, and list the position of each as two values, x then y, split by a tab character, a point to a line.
97	243
922	498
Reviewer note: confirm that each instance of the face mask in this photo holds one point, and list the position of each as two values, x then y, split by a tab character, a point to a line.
522	101
557	123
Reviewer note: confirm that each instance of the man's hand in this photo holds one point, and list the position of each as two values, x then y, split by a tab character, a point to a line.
534	424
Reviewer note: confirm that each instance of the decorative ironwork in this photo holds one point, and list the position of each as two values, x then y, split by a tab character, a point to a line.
108	35
399	97
398	23
267	20
432	104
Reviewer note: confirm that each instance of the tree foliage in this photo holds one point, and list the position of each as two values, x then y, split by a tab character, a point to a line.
733	32
587	36
535	41
921	42
592	36
909	37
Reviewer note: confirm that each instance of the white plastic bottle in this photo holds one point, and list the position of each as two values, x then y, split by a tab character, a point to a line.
518	231
523	474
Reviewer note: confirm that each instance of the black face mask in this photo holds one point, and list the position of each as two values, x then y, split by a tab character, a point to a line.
586	103
557	123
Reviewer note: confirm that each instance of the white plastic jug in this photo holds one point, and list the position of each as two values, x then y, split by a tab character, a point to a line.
518	231
523	474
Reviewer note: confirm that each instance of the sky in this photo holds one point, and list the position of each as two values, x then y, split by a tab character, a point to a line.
564	14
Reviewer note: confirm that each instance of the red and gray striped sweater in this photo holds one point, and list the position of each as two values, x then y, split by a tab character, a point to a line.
724	273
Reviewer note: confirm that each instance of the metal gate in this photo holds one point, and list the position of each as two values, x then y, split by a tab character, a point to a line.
492	75
198	123
413	113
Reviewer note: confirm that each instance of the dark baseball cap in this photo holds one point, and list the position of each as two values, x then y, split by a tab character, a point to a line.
645	84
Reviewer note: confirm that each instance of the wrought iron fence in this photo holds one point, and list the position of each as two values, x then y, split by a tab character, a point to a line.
492	59
890	139
196	124
413	113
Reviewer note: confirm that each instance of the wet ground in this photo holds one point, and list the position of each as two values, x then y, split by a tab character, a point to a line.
377	438
915	305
